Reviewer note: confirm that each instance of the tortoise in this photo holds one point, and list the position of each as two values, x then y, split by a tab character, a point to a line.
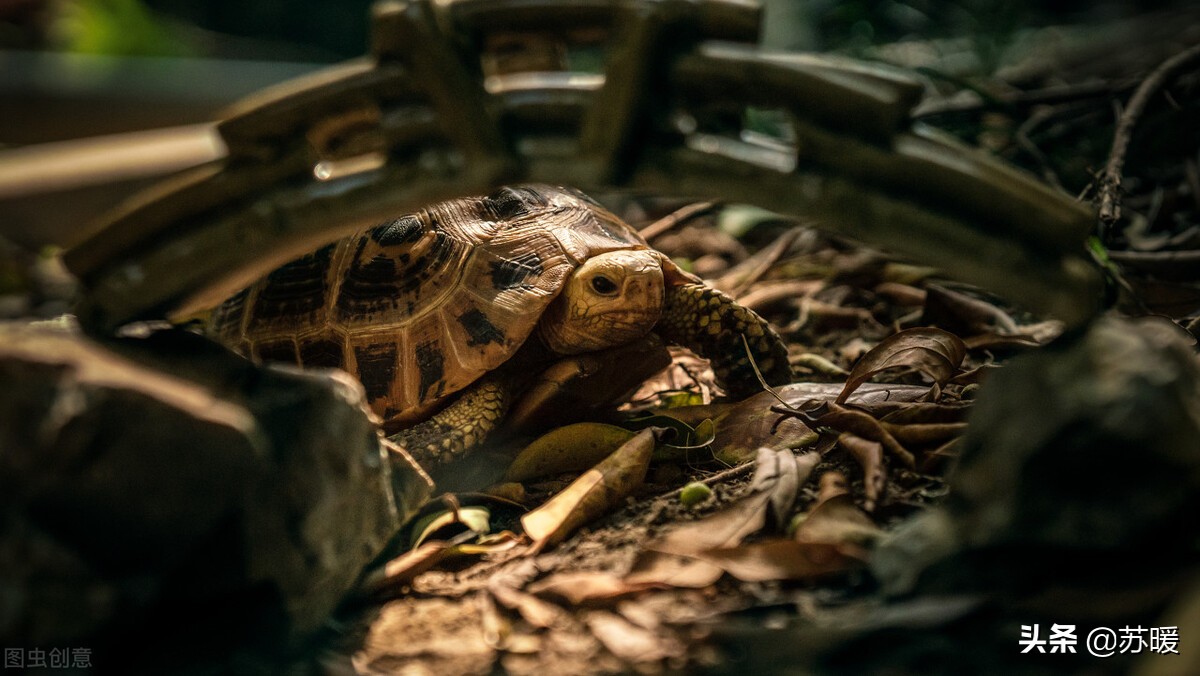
444	314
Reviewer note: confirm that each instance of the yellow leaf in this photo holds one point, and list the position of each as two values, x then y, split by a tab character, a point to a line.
573	448
591	495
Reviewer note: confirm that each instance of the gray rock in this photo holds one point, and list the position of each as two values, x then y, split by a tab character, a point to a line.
1093	443
164	485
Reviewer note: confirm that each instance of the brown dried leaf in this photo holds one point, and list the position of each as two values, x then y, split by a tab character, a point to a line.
960	312
996	341
738	278
780	559
670	570
400	571
629	641
535	611
772	494
837	521
768	294
863	425
591	495
869	455
917	435
579	588
938	459
926	413
832	484
932	351
901	294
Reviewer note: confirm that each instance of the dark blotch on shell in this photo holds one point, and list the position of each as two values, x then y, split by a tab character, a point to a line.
431	366
296	288
404	230
480	329
376	368
278	350
511	202
367	286
508	274
322	353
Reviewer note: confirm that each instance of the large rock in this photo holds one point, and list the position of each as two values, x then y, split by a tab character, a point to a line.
160	493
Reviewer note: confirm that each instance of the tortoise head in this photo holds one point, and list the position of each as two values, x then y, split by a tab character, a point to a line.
612	299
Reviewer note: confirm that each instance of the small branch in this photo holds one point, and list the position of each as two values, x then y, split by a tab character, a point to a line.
1110	180
676	218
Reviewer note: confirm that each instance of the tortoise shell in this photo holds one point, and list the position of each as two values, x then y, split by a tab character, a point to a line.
422	306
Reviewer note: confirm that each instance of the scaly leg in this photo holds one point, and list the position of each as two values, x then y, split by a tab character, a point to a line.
712	324
462	425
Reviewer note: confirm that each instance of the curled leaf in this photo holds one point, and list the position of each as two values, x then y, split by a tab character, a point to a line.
925	435
935	352
401	570
592	494
869	455
577	588
475	518
864	426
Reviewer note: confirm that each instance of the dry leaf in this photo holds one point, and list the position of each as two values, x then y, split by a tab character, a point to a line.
535	611
400	571
780	559
917	434
832	484
475	518
579	588
901	294
767	294
819	364
637	613
996	341
629	641
869	455
926	413
863	425
591	495
568	449
837	521
744	427
656	569
834	519
772	493
934	352
964	314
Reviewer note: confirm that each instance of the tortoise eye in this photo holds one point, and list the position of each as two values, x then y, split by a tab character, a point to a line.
603	285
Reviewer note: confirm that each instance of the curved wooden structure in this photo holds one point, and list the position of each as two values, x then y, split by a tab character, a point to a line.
460	97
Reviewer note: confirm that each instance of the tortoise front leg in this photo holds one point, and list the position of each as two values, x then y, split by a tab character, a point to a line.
712	324
461	426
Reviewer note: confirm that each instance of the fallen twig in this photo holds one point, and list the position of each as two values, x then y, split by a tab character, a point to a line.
1110	180
675	218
